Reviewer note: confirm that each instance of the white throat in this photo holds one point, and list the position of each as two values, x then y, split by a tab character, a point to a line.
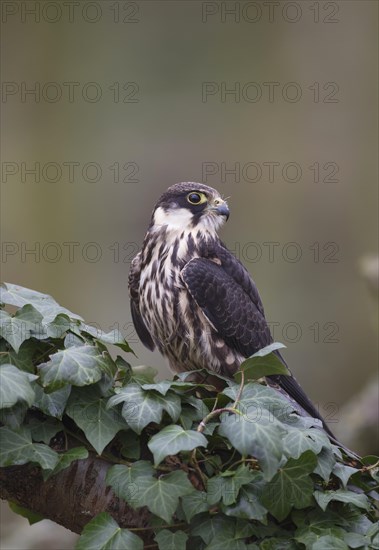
177	219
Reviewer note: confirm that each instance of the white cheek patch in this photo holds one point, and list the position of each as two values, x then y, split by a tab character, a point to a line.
178	218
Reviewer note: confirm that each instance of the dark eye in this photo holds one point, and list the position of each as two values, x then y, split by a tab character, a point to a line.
196	198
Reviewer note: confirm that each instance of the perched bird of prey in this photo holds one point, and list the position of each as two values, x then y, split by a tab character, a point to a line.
192	298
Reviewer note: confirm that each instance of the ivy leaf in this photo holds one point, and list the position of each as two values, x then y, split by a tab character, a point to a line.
113	337
89	411
124	480
208	527
173	439
297	441
278	543
60	325
165	385
225	543
23	360
138	487
344	472
248	505
143	374
329	542
24	324
261	438
142	407
15	386
45	429
17	448
131	444
161	495
325	463
342	495
171	541
311	533
226	487
103	533
194	503
256	397
46	457
76	365
32	517
13	417
65	459
52	404
19	296
193	409
291	486
262	363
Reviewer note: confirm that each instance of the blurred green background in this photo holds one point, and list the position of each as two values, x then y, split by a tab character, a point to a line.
131	97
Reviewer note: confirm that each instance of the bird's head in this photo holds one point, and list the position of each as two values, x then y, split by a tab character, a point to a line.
190	205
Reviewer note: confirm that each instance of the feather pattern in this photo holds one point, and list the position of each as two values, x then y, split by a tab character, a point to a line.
193	299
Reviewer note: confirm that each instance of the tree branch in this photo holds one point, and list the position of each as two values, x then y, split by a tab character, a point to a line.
72	497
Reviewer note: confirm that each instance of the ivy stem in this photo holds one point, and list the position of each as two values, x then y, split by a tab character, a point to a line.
201	427
233	409
371	467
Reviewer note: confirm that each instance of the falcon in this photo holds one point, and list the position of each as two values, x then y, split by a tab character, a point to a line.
192	298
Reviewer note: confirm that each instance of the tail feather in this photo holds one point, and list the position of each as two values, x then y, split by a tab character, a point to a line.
293	389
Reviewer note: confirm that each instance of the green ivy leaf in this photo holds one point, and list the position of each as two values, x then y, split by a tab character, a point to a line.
261	437
125	480
54	403
76	365
329	542
142	407
60	325
344	472
113	337
23	359
312	533
44	429
65	459
19	296
297	441
143	374
211	527
342	495
165	385
173	439
225	488
131	445
325	463
103	533
13	417
194	503
89	411
278	543
32	517
262	363
171	541
256	397
222	532
138	487
15	386
24	324
17	448
291	486
248	505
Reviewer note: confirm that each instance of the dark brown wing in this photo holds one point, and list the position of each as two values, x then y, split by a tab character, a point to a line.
236	317
134	278
230	300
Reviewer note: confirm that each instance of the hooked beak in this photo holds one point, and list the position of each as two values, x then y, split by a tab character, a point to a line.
220	207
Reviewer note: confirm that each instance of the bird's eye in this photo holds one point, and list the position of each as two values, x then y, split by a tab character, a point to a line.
196	198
